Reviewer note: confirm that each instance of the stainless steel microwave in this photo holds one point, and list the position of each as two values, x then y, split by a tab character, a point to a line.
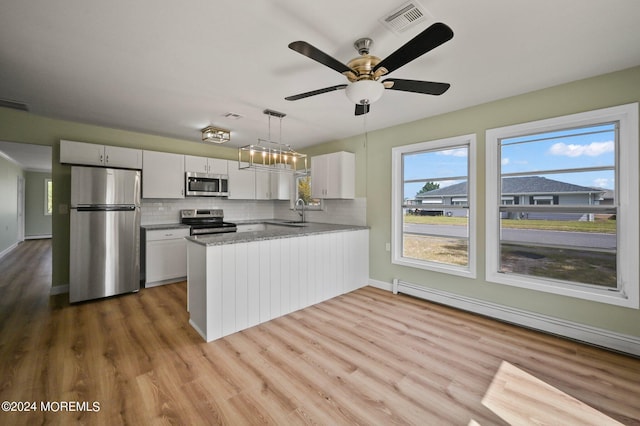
206	185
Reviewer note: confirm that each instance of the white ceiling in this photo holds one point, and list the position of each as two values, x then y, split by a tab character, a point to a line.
28	156
171	68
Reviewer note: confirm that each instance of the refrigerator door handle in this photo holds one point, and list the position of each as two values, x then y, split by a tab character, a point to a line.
111	208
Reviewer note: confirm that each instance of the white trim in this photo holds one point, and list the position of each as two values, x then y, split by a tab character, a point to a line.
8	249
382	285
59	289
568	329
38	237
628	193
396	204
46	196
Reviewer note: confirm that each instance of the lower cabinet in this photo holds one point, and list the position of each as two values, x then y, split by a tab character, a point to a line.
232	287
165	256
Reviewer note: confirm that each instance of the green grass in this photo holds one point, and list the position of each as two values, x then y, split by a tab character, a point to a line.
543	262
597	226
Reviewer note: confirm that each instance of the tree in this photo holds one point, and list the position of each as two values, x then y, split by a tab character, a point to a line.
429	186
304	189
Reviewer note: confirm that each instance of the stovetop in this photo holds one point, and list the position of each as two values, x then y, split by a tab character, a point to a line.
206	221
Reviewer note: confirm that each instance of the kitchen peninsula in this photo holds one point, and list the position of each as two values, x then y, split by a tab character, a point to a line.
238	280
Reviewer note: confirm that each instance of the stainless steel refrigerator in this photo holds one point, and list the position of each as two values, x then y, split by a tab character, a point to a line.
104	232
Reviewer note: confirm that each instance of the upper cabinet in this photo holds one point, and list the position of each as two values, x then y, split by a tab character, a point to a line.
162	175
281	186
72	152
242	182
333	175
256	184
215	166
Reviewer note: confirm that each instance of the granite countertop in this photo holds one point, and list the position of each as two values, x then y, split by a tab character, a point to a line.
158	227
274	229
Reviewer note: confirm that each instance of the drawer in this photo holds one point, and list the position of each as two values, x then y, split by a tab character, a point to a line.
167	234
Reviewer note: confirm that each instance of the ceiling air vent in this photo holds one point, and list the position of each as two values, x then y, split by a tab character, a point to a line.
6	103
231	115
405	17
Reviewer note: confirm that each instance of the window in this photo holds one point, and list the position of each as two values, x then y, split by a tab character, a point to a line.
48	197
303	190
562	205
433	205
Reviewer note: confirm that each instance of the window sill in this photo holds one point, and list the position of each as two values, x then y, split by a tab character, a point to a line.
611	297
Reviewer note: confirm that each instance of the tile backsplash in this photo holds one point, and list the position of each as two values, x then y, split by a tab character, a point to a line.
349	212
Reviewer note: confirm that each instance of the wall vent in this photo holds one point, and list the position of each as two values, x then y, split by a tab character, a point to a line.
6	103
405	17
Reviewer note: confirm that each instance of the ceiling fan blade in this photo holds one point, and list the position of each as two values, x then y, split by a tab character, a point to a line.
417	86
362	109
315	92
427	40
316	54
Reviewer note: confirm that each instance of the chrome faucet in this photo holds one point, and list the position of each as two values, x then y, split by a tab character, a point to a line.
301	212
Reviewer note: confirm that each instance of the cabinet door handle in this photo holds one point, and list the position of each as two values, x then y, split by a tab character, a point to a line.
107	160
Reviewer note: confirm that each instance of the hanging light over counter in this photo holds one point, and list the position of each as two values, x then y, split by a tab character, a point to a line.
271	155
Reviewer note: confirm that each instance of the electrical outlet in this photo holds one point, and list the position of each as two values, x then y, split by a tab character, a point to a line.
387	246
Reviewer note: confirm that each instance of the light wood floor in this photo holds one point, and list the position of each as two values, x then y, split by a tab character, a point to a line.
367	358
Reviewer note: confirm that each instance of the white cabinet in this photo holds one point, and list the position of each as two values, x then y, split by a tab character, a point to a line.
281	186
242	182
162	175
333	175
165	256
205	165
263	185
72	152
256	184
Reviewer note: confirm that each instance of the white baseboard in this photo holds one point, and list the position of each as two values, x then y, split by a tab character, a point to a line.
38	237
7	250
59	289
572	330
197	329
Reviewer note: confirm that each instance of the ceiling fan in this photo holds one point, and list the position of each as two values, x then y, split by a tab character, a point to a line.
365	71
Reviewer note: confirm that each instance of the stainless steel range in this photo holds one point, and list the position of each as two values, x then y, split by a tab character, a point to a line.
206	221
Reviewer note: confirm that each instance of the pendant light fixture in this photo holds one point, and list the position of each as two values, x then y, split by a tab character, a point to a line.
270	155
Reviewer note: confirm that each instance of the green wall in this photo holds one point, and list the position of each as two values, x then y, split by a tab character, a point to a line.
9	172
19	126
36	223
373	174
374	178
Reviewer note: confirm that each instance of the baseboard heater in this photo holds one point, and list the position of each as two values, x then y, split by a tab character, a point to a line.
572	330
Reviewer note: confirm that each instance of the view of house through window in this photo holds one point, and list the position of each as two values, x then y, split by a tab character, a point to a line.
434	219
562	205
558	205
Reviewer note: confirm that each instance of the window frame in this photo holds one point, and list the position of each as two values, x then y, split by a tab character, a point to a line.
627	187
397	188
46	196
294	198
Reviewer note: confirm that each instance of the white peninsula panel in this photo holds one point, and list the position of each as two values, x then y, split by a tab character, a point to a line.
236	286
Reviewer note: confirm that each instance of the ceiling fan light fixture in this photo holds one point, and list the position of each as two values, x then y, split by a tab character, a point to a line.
364	92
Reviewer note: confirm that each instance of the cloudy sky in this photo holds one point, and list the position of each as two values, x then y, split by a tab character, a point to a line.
583	157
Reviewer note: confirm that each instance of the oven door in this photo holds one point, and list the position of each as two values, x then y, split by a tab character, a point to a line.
205	185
